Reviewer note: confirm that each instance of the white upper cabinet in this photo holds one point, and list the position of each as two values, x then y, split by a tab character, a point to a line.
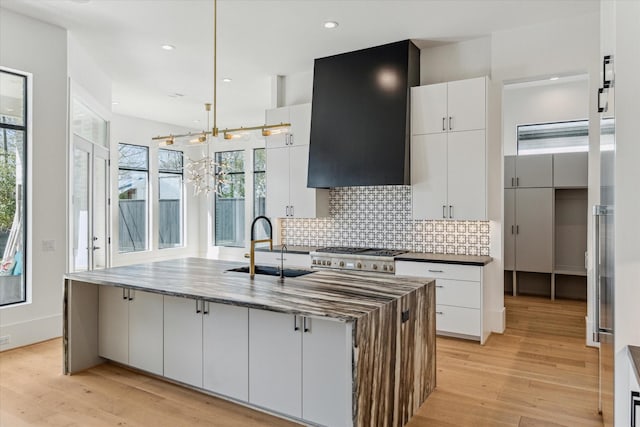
429	109
448	150
467	104
449	107
287	167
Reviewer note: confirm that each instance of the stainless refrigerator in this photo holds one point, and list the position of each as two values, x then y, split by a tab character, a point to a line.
603	245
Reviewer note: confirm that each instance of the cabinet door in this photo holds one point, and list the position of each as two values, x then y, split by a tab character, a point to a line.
570	170
429	176
509	232
277	176
428	109
226	350
534	171
146	316
534	234
183	340
326	372
466	105
300	118
301	198
509	171
274	117
466	175
275	361
113	324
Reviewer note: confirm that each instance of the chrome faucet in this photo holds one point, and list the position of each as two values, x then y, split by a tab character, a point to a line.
252	253
283	249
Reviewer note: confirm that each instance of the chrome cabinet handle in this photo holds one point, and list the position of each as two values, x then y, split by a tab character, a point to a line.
295	323
292	211
124	291
130	295
512	229
450	127
517	229
440	313
439	286
605	61
198	307
601	109
517	181
304	325
205	307
444	208
512	181
435	271
450	211
290	139
286	209
443	127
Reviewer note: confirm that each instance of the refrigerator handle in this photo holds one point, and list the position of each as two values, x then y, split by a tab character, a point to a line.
597	212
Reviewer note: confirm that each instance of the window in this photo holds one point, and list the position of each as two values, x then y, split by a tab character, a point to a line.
259	181
13	187
171	209
133	178
230	200
562	137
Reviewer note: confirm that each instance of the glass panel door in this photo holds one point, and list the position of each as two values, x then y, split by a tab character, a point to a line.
100	204
80	206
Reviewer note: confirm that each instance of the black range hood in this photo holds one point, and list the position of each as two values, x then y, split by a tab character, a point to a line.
360	117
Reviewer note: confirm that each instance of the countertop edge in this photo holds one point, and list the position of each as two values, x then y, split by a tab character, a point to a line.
634	354
426	258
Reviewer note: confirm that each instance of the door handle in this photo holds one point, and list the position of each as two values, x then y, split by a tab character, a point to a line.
95	248
597	211
439	286
440	313
601	109
606	60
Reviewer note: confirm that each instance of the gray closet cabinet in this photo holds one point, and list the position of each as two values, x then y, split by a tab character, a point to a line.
571	170
528	234
528	171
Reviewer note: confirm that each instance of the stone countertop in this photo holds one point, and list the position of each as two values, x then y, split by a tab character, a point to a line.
634	353
322	294
445	258
304	250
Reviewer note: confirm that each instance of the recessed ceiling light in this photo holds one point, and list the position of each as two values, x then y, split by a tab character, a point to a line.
226	80
330	24
115	103
554	78
168	46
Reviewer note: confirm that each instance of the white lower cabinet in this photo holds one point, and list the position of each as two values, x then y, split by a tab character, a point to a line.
459	296
183	340
226	350
130	326
275	361
301	367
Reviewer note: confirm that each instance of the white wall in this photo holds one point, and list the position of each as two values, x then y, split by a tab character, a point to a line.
92	83
41	49
133	130
542	102
455	61
627	196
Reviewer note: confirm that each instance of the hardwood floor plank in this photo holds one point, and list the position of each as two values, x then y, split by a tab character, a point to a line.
539	373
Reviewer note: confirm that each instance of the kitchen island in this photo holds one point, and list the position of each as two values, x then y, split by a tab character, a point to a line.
326	348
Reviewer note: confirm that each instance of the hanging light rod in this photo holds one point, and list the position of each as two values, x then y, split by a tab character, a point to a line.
266	131
214	132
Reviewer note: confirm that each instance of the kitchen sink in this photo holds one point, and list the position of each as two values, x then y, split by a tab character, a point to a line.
274	271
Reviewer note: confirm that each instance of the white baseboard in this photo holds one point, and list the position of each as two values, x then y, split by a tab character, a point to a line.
589	332
31	331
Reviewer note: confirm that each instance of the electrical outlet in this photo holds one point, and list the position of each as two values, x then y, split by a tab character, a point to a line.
5	340
48	245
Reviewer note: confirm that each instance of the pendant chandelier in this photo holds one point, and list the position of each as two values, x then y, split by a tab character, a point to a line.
205	174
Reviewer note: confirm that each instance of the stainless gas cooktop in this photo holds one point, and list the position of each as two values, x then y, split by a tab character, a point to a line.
354	258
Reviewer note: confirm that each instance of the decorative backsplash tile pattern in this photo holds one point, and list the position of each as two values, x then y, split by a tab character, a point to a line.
381	217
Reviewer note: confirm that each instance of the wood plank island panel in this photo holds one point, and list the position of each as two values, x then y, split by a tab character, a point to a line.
392	340
395	360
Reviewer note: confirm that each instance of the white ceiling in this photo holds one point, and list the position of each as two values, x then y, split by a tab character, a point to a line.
257	39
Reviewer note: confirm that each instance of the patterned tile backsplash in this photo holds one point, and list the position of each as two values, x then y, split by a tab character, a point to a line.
381	217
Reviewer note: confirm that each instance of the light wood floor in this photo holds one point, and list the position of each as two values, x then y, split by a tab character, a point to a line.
539	373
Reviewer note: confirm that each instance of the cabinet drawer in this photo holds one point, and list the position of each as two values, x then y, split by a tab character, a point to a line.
439	270
458	293
458	320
